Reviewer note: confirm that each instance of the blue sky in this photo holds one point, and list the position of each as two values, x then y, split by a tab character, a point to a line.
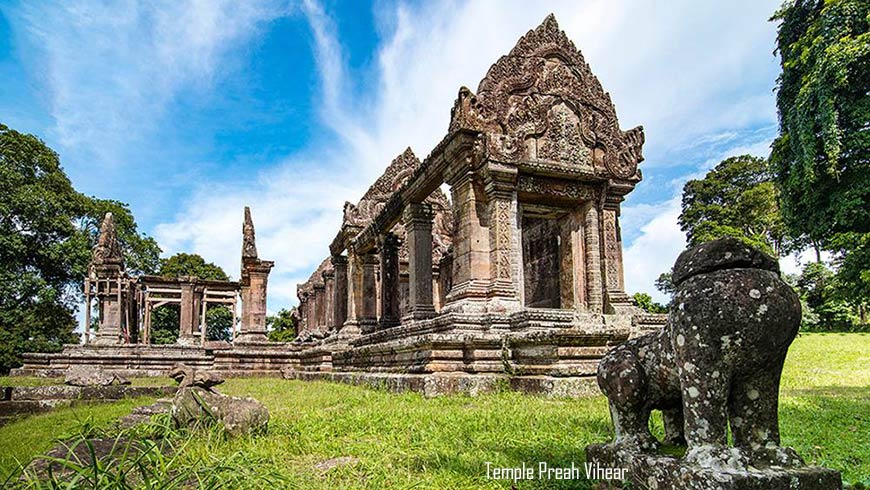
190	110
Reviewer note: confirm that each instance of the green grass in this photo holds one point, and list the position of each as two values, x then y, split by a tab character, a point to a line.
22	440
408	441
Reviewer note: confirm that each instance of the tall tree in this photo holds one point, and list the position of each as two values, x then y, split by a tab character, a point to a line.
737	198
45	247
165	319
822	156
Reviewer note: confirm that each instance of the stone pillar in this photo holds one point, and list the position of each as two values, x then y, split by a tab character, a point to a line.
303	312
320	306
339	301
106	272
328	298
255	279
612	253
470	243
503	232
368	321
110	319
418	230
594	287
188	314
389	255
445	276
253	326
354	299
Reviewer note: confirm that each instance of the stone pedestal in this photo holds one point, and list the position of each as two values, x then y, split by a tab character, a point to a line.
253	292
110	322
657	472
418	229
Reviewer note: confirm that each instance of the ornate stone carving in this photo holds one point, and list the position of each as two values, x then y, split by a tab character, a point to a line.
373	201
545	99
249	243
107	250
611	250
557	188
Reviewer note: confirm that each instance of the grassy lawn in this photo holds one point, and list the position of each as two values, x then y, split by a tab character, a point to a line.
407	441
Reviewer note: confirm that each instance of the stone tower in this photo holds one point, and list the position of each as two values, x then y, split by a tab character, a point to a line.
106	280
255	277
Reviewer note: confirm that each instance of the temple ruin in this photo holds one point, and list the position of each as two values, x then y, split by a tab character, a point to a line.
518	276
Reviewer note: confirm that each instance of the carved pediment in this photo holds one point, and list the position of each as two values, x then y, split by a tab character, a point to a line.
373	201
542	102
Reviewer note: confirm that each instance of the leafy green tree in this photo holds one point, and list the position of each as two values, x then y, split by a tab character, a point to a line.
47	230
737	198
818	288
183	264
282	327
165	319
822	156
646	303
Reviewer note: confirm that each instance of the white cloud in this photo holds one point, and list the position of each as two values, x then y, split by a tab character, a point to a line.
655	251
111	69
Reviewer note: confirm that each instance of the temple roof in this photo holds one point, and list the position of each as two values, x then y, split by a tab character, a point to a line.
541	102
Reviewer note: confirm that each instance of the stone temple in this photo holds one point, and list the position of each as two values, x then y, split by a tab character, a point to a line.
516	278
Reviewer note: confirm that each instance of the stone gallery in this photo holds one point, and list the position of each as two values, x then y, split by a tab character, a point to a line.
516	278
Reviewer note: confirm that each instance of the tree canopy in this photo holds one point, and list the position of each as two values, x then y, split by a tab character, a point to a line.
822	156
47	230
738	199
282	327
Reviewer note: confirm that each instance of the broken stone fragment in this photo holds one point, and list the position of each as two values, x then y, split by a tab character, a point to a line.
90	376
197	404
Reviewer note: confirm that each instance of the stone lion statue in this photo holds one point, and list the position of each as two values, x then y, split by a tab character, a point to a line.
717	361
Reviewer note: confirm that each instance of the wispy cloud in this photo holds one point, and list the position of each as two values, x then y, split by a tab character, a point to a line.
111	69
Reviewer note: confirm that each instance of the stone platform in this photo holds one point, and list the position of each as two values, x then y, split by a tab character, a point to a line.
548	352
658	472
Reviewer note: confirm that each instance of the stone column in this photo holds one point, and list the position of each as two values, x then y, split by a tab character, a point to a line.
503	240
110	319
591	234
418	230
253	326
389	255
354	298
369	319
470	243
328	298
339	301
188	313
304	325
255	279
320	306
